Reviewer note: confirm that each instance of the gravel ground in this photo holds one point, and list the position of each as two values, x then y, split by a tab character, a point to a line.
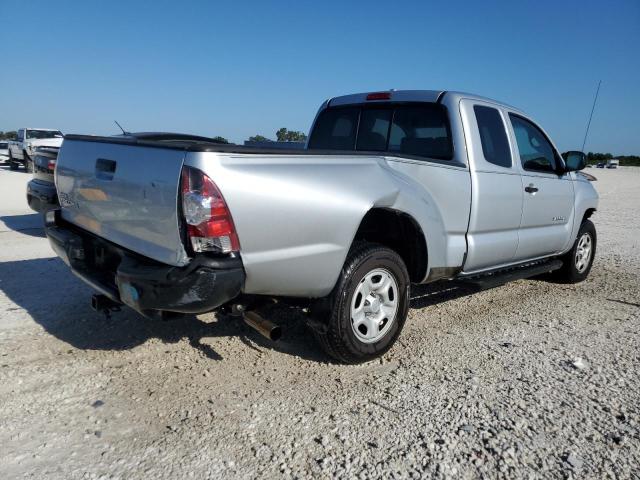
528	380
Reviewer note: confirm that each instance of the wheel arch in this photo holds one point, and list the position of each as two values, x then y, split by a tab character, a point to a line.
400	232
588	213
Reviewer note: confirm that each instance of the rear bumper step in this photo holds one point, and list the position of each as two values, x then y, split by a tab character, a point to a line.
498	278
142	284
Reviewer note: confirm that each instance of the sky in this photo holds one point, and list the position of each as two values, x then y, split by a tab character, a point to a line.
238	69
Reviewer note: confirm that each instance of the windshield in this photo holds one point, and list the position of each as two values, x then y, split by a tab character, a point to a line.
39	134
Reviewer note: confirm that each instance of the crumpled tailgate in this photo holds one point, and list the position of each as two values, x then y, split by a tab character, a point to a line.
126	194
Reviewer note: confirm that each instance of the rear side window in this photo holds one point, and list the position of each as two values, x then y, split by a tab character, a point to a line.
493	136
421	131
335	129
411	129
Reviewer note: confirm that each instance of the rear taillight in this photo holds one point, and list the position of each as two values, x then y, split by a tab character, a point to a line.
209	224
51	165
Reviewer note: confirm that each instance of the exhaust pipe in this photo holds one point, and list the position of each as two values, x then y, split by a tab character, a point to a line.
264	327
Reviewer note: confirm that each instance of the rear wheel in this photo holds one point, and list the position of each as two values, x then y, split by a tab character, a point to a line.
368	306
13	165
578	261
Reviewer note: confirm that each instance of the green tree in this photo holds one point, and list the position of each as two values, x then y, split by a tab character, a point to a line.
285	135
281	135
221	139
11	135
259	138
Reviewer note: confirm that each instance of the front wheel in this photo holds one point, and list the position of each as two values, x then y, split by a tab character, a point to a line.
578	261
28	163
368	306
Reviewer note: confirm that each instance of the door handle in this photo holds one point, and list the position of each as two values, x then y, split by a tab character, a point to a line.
531	188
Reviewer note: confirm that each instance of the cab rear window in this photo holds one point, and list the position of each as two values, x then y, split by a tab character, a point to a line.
335	129
420	130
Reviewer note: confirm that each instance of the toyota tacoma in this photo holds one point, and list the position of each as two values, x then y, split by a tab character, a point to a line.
393	188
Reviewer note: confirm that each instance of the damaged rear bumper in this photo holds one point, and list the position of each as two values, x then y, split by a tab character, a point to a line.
143	284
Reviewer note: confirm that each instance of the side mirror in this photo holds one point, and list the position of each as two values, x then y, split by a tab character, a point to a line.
574	161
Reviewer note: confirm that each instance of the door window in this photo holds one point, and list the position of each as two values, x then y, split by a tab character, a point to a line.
493	136
536	152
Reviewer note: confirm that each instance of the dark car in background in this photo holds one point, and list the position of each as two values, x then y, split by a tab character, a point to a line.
41	190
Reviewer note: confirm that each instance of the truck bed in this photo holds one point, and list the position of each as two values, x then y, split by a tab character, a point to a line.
189	143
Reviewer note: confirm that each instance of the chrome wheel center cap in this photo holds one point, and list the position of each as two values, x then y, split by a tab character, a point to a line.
374	305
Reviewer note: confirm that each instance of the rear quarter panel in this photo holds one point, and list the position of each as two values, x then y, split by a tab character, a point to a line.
296	216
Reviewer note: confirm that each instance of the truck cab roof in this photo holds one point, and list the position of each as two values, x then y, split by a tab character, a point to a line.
430	96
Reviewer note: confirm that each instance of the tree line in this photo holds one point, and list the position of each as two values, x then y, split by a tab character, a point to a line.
12	135
282	135
625	160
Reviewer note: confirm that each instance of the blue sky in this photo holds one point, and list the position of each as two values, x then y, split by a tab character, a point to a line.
240	68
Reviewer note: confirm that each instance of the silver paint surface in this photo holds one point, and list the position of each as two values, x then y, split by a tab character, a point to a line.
136	208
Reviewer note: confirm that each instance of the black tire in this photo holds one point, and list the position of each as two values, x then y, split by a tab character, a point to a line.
570	272
28	163
13	165
338	338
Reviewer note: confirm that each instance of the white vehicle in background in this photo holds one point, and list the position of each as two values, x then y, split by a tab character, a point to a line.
4	151
22	150
613	163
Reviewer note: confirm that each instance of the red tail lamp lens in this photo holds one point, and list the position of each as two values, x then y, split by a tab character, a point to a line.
209	224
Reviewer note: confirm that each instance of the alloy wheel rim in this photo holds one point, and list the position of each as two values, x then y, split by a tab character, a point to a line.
583	253
374	305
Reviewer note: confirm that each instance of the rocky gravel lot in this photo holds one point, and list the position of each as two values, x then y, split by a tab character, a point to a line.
528	380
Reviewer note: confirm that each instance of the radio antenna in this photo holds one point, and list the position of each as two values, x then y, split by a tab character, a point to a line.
124	132
584	142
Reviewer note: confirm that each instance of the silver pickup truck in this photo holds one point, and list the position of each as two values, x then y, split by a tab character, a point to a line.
394	188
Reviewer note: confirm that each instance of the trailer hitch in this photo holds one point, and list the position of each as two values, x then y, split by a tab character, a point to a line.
105	305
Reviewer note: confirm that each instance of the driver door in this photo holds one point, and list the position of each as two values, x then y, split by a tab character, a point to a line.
548	203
